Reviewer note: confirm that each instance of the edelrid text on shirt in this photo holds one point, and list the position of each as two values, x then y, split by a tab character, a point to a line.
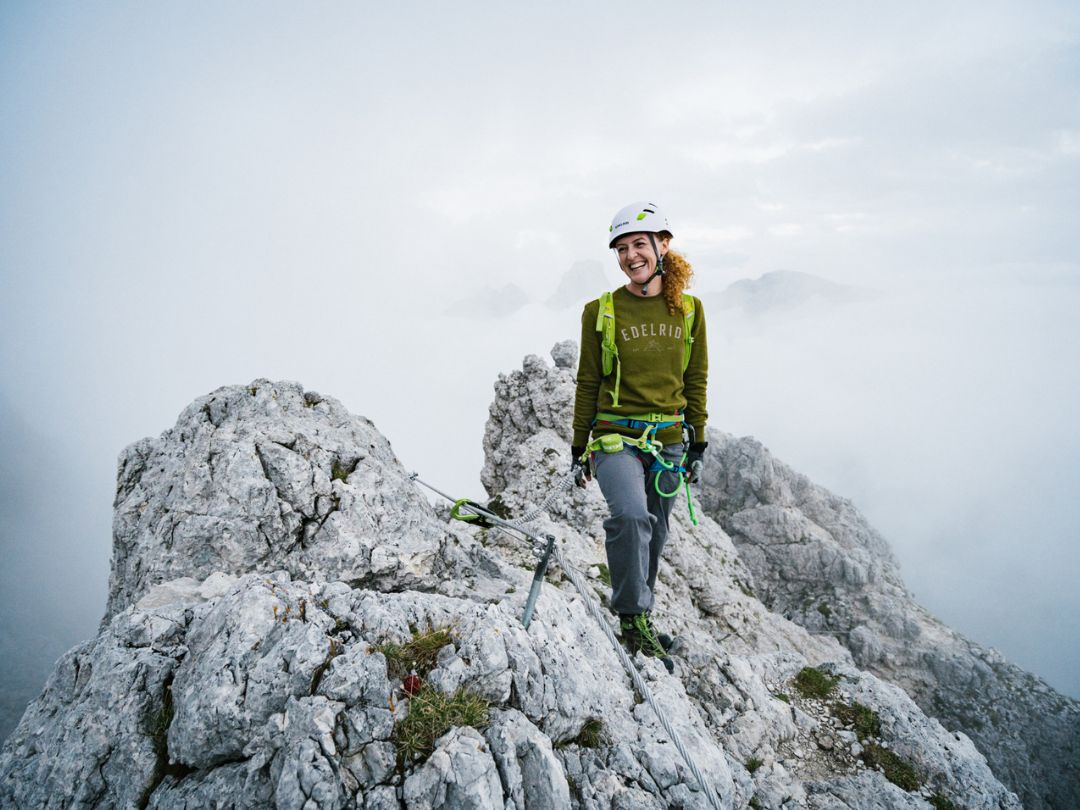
651	329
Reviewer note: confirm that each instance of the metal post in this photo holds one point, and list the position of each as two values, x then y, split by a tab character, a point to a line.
538	580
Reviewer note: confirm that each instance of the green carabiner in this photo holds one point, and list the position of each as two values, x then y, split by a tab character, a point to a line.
476	519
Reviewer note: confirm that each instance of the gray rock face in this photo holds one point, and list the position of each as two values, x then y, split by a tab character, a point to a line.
93	737
818	562
726	636
272	560
262	477
533	775
460	773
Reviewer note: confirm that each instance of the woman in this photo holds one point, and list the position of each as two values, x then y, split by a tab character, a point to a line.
641	382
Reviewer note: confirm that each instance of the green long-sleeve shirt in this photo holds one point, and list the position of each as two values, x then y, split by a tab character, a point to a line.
650	344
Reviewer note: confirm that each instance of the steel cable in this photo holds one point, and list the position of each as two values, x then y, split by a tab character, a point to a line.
594	610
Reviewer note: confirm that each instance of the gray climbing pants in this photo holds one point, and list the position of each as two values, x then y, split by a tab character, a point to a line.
638	526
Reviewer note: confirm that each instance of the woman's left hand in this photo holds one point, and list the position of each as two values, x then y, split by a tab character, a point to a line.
695	461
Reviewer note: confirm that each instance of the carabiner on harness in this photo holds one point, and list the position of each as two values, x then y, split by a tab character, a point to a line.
647	443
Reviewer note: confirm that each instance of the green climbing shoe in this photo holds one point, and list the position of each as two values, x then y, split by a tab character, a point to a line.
665	640
639	636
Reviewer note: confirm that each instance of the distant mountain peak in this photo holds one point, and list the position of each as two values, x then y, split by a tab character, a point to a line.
579	284
781	290
490	302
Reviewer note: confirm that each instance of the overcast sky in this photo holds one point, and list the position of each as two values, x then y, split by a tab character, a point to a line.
198	194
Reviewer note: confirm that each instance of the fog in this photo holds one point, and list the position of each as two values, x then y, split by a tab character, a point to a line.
193	196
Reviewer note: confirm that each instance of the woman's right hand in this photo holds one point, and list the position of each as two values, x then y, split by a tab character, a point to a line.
581	471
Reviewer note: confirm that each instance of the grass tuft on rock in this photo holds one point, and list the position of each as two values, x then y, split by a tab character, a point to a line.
420	653
942	803
432	714
497	507
813	683
896	769
753	764
862	718
605	573
592	734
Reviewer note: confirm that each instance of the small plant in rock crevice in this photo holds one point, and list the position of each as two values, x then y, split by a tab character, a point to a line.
592	735
753	764
813	683
896	769
419	653
497	507
746	589
942	803
332	652
431	714
862	718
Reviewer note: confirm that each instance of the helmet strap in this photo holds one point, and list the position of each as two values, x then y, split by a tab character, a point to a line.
659	266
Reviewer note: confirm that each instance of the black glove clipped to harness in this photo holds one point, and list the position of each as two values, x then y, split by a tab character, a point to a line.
579	468
694	461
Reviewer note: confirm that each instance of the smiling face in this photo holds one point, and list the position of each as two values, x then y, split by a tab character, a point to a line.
635	254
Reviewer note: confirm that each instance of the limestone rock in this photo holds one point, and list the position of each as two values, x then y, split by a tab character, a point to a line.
529	769
706	591
95	735
249	654
818	562
273	564
461	773
263	477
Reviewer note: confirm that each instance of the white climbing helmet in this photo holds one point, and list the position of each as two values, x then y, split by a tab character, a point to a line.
638	217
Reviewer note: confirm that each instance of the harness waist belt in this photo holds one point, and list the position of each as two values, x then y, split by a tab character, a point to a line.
659	421
640	417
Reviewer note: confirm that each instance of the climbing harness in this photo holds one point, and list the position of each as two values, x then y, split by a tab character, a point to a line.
609	352
477	515
648	445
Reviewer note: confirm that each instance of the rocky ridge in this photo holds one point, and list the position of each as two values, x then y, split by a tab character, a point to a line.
818	562
271	559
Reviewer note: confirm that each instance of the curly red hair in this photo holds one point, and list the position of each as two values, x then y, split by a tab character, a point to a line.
677	276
